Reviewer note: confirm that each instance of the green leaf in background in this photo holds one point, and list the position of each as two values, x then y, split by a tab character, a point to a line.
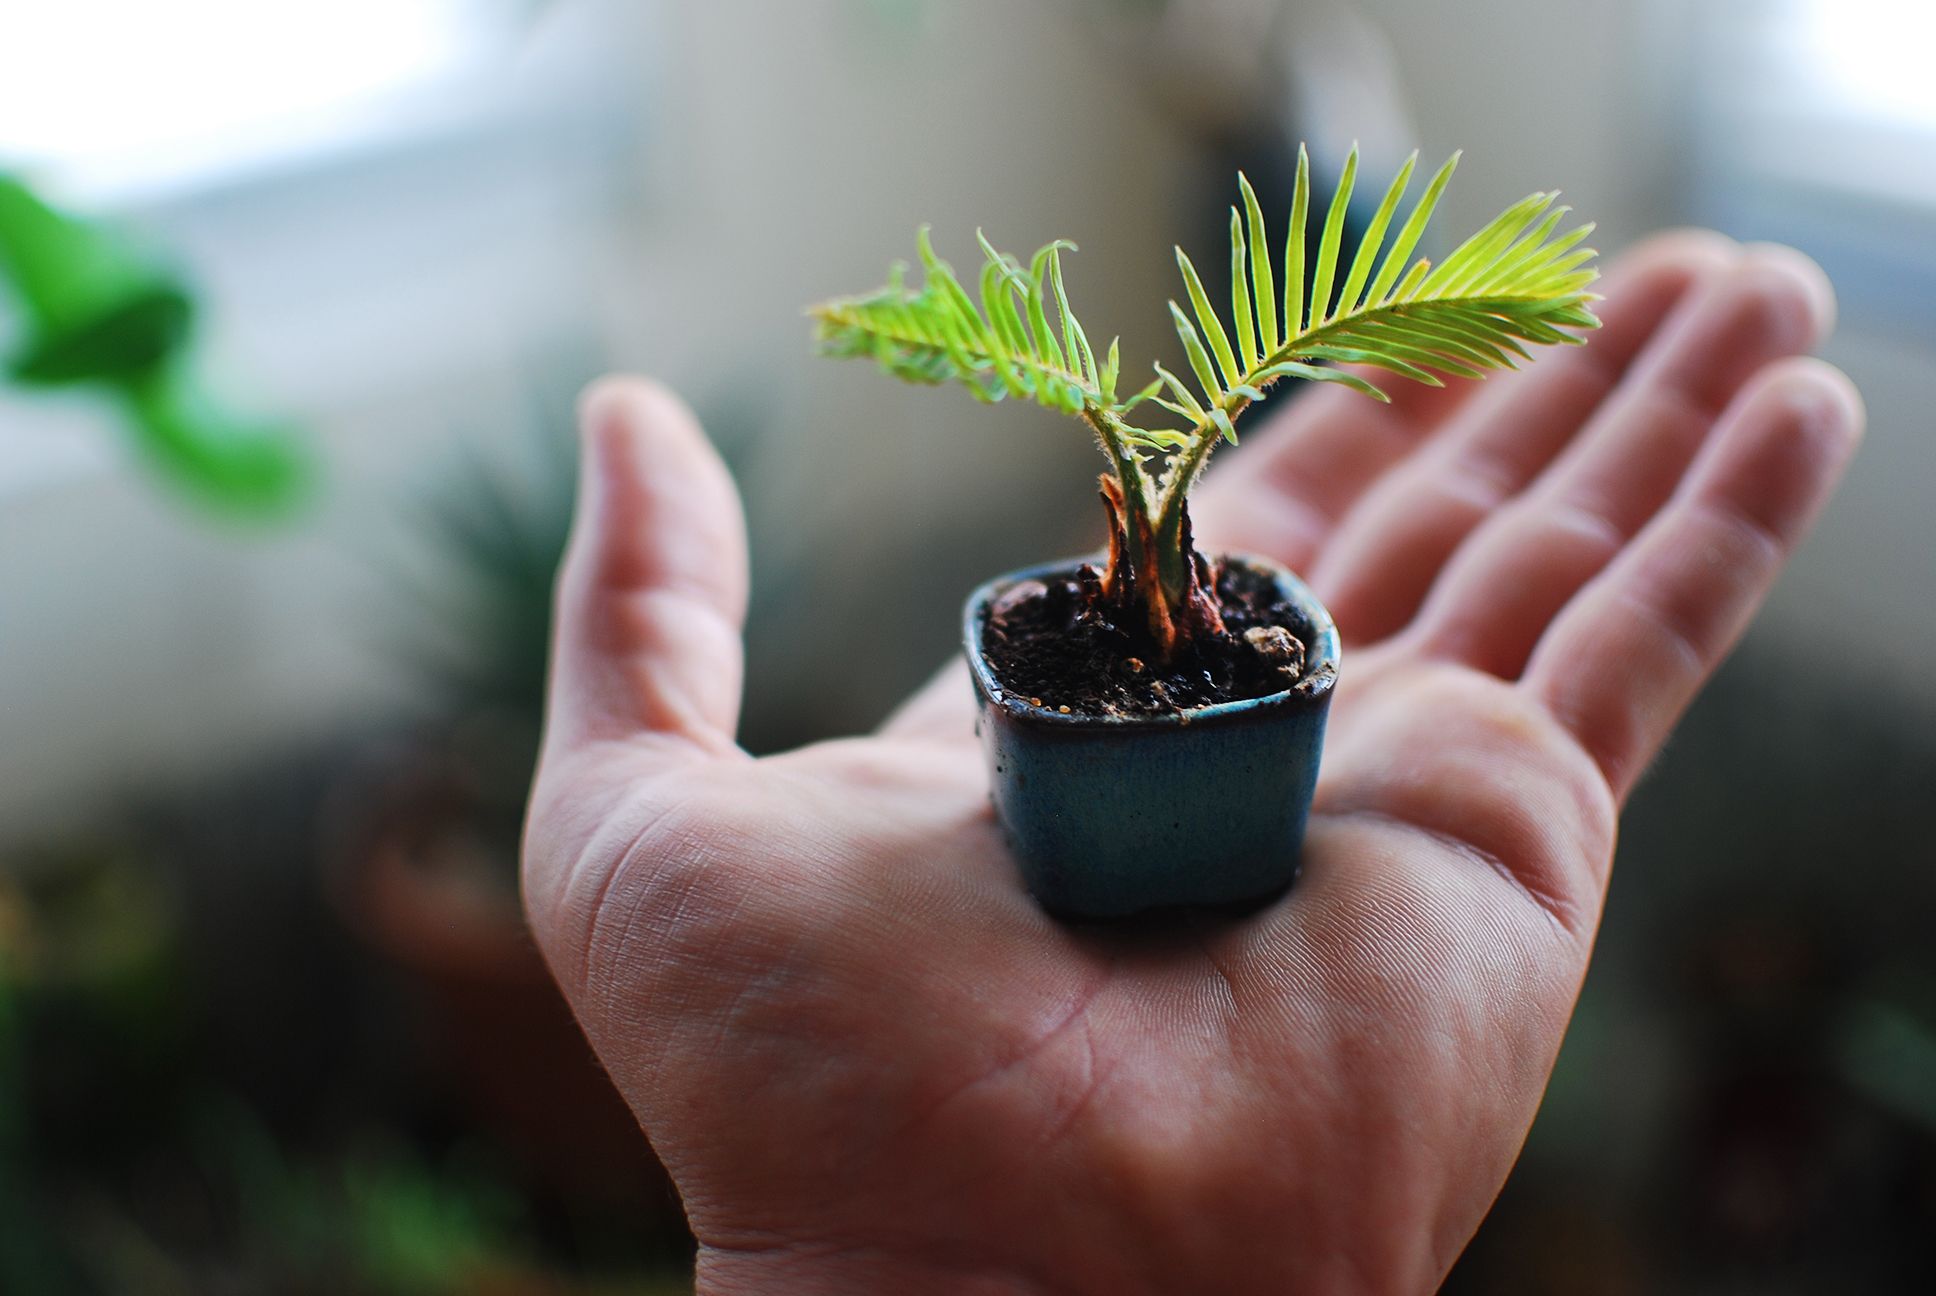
98	316
93	309
231	463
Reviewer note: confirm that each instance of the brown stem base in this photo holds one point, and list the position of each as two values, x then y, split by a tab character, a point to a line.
1131	582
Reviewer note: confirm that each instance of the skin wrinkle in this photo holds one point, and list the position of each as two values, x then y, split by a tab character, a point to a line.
1468	617
1476	477
1230	1008
1025	1058
1677	630
596	849
1557	909
1751	309
1514	835
1285	528
1349	468
1753	543
909	1245
651	928
1772	478
1631	724
1593	519
953	1261
633	699
617	951
1094	1077
662	701
777	975
1665	429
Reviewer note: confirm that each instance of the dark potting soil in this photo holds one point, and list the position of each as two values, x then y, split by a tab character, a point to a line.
1054	644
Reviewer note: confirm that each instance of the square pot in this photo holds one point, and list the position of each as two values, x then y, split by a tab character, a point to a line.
1110	816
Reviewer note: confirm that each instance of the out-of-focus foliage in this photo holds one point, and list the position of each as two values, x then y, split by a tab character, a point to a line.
98	316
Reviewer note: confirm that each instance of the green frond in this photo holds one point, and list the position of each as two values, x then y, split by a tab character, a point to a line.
1111	367
1241	293
1263	288
1519	280
1193	348
1148	393
1312	373
1374	238
1294	247
1213	330
1164	439
1075	342
1185	403
1410	232
1328	246
1021	339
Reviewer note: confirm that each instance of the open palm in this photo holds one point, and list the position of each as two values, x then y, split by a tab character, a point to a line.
871	1064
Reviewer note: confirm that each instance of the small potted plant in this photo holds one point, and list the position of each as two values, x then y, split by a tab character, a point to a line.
1153	717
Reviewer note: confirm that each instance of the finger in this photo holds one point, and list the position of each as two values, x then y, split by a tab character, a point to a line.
1505	583
652	594
1377	568
1623	660
1284	492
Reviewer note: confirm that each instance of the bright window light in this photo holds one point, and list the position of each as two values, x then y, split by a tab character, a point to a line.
1868	58
1823	96
113	95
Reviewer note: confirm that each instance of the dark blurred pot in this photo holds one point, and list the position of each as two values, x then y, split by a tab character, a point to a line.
1110	816
427	874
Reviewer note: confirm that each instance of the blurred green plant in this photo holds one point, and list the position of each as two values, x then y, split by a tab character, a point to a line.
99	317
383	1221
25	1261
1887	1050
1515	281
89	987
498	528
466	610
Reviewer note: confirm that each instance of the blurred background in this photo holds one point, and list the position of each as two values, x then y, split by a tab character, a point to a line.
295	300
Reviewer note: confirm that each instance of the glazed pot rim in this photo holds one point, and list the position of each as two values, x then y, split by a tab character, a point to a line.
1320	674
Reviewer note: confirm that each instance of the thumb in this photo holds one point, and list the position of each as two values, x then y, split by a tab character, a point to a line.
652	595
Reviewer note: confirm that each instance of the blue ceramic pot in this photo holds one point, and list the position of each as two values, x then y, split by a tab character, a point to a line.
1110	816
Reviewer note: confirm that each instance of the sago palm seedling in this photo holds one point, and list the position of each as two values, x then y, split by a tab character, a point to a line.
1518	280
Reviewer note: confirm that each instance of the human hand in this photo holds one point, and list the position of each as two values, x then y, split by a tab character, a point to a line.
871	1064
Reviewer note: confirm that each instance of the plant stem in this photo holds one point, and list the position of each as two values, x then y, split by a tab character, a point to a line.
1187	466
1155	571
1137	496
